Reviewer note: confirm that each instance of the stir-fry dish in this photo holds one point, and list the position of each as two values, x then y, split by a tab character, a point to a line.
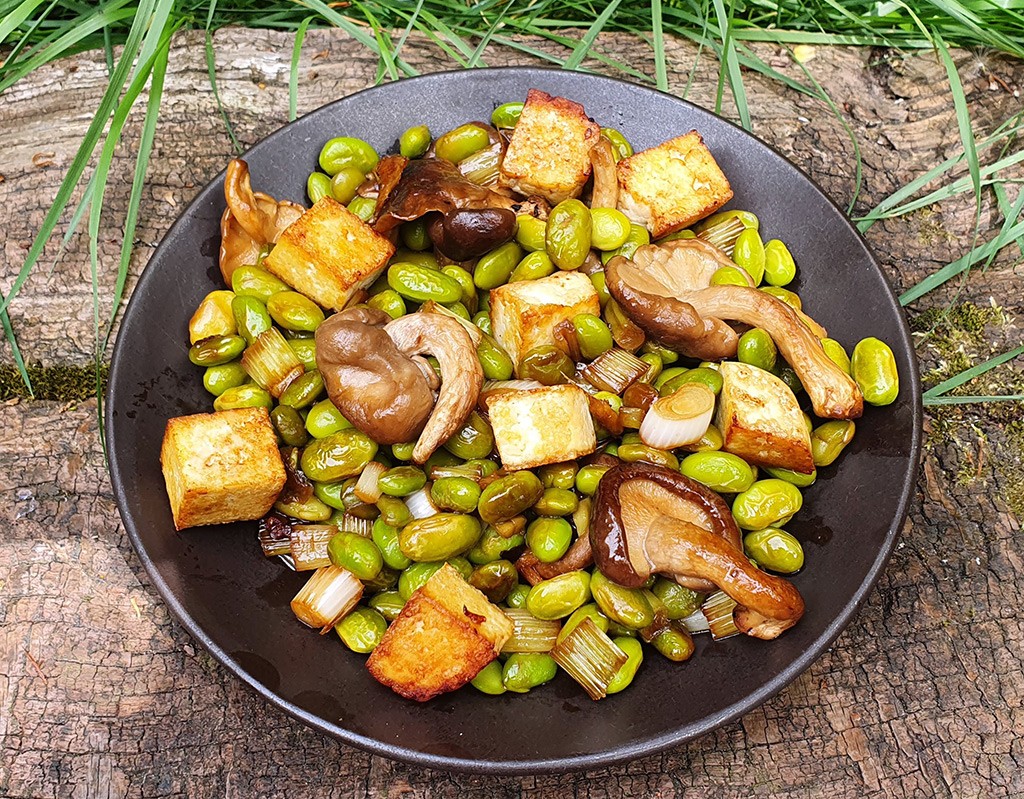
518	399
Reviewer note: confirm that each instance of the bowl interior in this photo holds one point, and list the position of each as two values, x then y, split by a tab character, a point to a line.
235	602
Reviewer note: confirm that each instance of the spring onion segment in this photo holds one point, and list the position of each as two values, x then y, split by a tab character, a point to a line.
717	609
309	546
680	418
590	657
366	487
421	505
530	634
271	362
615	371
327	597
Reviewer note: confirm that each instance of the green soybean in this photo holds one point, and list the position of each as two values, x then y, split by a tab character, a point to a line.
318	186
509	496
363	207
303	390
558	475
438	537
524	671
775	550
558	597
791	298
311	510
829	439
621	148
495	268
324	419
549	538
634	652
633	453
420	284
674	644
493	359
386	538
534	265
757	348
465	280
388	604
593	335
677	600
414	235
474	439
779	266
567	236
749	254
609	228
556	502
357	554
289	426
346	183
700	374
629	607
393	511
305	351
218	379
766	503
362	630
588	477
835	352
344	152
488	679
482	319
722	472
796	478
459	494
492	545
517	596
458	144
414	141
530	232
589	611
638	237
507	115
339	455
294	311
401	481
251	317
600	282
730	276
495	579
389	301
546	364
248	395
873	366
216	350
252	281
414	577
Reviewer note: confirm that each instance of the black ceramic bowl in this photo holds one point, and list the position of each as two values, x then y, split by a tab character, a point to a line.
235	602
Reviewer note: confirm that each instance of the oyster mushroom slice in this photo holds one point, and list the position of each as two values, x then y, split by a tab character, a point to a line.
644	522
667	291
377	387
462	376
251	221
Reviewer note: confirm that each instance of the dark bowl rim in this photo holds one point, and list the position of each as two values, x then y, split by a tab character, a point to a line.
619	754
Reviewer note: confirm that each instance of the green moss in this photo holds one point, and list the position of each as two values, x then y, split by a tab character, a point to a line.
1012	467
965	320
59	383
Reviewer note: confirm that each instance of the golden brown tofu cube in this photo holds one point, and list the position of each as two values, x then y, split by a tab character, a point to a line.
671	186
541	425
549	153
524	313
221	467
446	633
760	419
328	254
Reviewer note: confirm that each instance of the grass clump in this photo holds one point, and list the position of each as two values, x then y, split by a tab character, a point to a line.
56	383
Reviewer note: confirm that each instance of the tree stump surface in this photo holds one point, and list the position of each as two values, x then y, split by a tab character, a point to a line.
103	695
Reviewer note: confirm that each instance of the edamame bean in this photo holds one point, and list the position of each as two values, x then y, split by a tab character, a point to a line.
346	183
493	359
678	601
414	235
509	496
294	311
213	317
766	503
438	537
775	550
534	266
393	511
414	141
488	679
362	630
312	510
796	478
218	379
357	554
401	481
779	266
558	475
711	441
459	494
386	538
828	440
389	301
420	283
633	453
216	350
634	652
835	352
324	419
363	207
248	395
558	597
556	502
546	364
588	477
567	236
251	317
589	611
873	366
621	148
700	374
414	577
549	538
530	232
388	604
289	426
517	596
749	254
722	472
592	334
465	280
495	268
792	299
305	351
474	439
524	671
252	281
787	374
757	348
609	229
331	494
482	319
339	455
458	144
318	186
506	115
730	276
303	390
638	237
626	606
492	545
495	579
462	566
674	644
601	287
344	152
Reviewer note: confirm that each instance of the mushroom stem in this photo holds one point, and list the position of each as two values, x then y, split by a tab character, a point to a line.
833	393
768	605
462	376
605	193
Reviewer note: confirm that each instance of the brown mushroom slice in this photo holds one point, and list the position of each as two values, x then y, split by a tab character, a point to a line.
251	221
643	523
605	193
378	388
534	570
671	297
462	376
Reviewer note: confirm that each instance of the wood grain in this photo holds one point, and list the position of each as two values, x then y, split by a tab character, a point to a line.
102	695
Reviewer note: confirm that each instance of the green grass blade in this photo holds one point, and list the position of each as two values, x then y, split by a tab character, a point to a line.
211	73
293	74
971	399
975	371
658	35
355	31
963	115
587	40
14	18
19	361
730	64
476	59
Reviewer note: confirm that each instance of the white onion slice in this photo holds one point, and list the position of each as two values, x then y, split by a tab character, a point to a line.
366	486
421	505
680	418
696	622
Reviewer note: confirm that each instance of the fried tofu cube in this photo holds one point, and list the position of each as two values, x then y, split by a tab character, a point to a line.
549	153
446	633
524	313
760	419
671	186
221	467
541	425
328	254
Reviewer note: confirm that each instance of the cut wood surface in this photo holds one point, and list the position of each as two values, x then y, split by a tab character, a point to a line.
103	695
